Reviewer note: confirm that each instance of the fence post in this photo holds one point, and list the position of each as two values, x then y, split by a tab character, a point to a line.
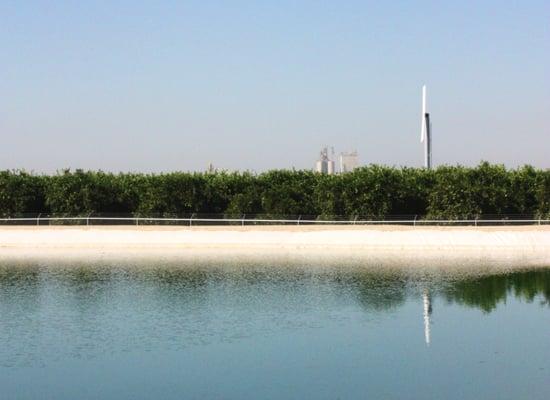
137	220
88	219
299	218
242	221
475	222
38	219
191	219
414	222
355	220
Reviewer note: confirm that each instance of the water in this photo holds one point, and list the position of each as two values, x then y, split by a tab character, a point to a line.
172	332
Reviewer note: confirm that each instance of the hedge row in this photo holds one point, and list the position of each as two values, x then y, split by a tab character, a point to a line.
448	192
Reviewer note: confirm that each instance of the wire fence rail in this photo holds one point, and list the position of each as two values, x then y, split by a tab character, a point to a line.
246	220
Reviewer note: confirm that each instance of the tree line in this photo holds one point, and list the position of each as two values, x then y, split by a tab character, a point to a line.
447	192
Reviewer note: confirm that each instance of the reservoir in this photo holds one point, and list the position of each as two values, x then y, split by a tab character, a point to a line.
270	331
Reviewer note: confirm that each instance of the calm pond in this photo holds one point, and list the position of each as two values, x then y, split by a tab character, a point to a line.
173	332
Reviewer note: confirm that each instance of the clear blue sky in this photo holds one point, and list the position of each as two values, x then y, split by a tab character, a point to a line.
161	86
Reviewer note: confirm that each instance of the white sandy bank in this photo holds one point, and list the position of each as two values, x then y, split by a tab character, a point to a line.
380	246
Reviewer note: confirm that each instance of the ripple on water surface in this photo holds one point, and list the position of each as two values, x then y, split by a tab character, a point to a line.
297	330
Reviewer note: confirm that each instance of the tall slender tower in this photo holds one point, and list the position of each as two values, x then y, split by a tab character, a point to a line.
426	132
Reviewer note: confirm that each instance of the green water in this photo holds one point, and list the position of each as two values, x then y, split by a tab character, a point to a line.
271	332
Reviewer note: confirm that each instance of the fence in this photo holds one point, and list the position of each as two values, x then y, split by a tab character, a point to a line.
246	220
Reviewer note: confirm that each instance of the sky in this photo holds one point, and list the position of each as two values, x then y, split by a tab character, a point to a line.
256	85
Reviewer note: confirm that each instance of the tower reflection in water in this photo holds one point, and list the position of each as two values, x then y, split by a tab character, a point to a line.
427	302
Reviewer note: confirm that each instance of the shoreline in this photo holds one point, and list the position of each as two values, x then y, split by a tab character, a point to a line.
280	227
502	248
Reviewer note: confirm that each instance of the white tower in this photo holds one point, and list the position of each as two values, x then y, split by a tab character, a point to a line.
426	132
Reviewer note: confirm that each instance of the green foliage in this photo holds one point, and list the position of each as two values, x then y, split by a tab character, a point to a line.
287	193
21	193
542	194
377	191
449	192
170	195
81	193
460	192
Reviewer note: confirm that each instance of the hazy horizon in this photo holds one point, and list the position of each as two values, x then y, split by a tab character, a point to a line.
175	86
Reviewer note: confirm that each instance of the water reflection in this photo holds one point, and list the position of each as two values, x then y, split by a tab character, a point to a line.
485	293
427	302
104	308
192	328
374	292
380	292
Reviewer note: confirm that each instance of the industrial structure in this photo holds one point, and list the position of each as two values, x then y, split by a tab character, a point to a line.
325	165
426	132
348	161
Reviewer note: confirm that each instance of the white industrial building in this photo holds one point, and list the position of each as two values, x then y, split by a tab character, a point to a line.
324	164
348	161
